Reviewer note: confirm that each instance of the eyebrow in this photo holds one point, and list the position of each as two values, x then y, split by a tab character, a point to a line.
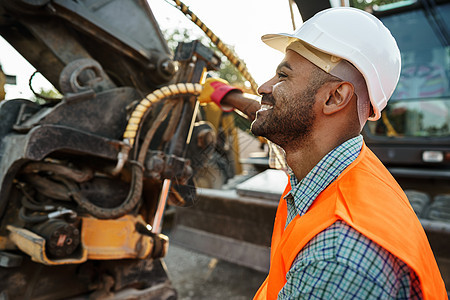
284	64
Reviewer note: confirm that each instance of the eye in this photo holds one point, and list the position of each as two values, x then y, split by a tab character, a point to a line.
281	75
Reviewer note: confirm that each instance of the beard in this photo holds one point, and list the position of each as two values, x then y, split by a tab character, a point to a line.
291	119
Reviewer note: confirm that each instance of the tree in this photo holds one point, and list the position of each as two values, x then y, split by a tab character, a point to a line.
227	70
368	4
46	95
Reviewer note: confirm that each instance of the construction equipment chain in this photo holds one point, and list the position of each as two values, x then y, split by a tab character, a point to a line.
232	57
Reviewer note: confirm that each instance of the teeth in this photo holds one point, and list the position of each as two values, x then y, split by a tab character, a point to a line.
265	107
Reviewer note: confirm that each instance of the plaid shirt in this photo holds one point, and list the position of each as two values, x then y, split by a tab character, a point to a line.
340	262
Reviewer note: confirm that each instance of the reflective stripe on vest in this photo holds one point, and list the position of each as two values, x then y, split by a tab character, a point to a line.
368	198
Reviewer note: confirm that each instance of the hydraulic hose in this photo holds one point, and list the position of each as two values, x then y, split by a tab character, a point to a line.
145	104
130	202
42	218
26	202
31	219
232	57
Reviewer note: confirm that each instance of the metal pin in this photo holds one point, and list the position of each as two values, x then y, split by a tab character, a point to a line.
156	228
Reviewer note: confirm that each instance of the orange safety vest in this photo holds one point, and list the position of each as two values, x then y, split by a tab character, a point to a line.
368	198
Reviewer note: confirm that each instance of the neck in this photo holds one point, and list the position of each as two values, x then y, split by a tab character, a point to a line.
303	156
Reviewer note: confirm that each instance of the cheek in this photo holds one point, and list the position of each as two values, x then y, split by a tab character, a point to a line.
279	91
282	94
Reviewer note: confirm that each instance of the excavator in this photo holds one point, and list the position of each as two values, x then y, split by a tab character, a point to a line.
85	177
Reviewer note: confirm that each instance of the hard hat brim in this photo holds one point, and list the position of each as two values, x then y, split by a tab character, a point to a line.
278	41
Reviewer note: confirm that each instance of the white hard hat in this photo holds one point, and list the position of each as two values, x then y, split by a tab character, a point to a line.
357	37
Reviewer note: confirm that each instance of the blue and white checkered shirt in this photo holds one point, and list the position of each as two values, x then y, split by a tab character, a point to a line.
340	262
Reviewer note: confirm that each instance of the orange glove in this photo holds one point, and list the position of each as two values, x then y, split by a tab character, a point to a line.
214	90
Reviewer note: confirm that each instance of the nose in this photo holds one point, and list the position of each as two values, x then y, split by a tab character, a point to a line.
266	87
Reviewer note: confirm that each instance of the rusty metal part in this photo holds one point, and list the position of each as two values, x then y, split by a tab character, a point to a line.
101	28
62	170
49	55
161	166
160	241
133	279
161	246
35	246
104	290
80	96
100	240
206	138
6	243
149	273
103	115
37	145
204	141
178	169
155	164
115	239
62	238
82	75
63	31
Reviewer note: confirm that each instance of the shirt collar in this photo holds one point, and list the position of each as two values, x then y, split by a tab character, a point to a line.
305	191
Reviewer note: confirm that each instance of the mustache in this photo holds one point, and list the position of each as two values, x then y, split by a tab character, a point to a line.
268	98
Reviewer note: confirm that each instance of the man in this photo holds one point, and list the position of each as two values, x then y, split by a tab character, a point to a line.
344	228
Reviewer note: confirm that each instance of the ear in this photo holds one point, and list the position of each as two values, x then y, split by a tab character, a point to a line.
339	97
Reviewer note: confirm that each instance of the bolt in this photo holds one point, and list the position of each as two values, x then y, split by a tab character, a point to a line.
205	138
168	67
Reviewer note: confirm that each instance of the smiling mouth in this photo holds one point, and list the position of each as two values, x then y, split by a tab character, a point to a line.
265	107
